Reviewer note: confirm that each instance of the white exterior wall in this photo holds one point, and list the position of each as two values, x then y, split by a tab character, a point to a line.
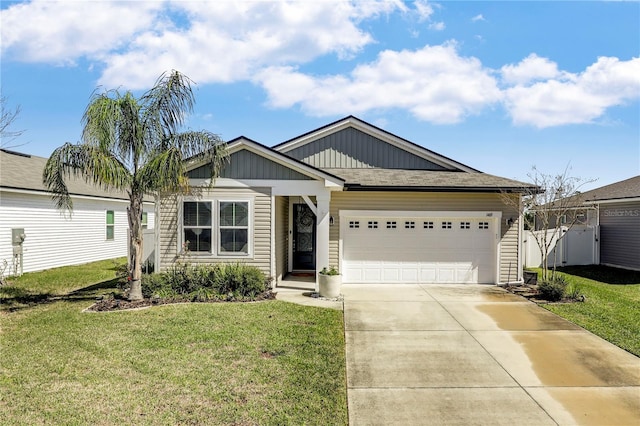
53	240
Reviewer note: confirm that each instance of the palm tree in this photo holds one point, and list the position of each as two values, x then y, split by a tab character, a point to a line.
135	145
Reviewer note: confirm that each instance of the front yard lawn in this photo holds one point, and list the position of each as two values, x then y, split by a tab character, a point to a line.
612	304
222	363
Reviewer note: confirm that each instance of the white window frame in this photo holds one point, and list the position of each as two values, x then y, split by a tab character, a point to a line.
219	229
215	201
111	226
210	227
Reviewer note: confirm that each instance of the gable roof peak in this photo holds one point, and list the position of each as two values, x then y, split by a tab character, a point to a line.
378	133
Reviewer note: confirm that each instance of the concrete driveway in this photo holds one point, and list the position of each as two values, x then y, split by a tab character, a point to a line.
473	354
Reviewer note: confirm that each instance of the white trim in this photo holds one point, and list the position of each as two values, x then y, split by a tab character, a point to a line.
278	187
312	206
615	201
378	133
250	225
80	197
215	225
272	255
322	234
290	235
420	213
157	232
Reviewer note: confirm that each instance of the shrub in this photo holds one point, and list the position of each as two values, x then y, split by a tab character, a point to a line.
241	280
233	281
330	271
156	285
553	289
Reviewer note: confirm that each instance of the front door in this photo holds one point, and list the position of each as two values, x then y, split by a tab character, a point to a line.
304	238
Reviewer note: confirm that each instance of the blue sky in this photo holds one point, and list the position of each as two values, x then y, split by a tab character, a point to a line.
499	86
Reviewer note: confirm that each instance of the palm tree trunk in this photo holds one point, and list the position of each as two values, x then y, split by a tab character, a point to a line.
134	213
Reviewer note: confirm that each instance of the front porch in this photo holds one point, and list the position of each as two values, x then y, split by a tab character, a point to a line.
301	239
300	289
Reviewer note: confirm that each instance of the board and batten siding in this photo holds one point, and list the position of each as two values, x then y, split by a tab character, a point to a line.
416	201
170	229
620	235
53	239
282	237
351	148
248	165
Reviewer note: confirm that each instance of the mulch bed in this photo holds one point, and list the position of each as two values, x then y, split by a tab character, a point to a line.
531	292
113	303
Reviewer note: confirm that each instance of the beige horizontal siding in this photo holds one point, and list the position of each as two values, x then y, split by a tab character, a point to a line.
417	201
170	229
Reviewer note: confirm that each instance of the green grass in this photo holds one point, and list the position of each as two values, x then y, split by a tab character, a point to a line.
612	304
251	363
77	282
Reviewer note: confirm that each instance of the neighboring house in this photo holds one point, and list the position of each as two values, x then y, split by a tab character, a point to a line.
97	229
619	219
350	195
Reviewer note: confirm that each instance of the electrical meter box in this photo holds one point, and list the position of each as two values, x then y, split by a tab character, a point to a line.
17	236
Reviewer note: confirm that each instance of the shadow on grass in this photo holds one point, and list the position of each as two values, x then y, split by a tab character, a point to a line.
604	274
13	299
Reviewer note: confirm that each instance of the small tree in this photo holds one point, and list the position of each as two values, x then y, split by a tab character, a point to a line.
134	145
550	198
7	117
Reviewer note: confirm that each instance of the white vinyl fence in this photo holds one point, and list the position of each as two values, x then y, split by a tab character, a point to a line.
577	246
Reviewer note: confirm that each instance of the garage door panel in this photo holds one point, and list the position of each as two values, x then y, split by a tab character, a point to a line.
463	253
446	274
428	273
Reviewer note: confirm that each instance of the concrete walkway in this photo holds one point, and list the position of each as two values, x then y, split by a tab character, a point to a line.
471	354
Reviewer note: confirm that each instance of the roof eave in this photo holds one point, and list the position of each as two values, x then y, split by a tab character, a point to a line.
406	188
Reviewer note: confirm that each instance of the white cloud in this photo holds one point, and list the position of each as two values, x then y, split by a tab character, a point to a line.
266	41
209	41
61	32
434	83
423	9
575	98
530	69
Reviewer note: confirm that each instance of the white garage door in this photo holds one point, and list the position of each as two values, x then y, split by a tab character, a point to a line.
403	249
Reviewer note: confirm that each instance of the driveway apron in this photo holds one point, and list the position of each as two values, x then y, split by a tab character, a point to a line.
478	355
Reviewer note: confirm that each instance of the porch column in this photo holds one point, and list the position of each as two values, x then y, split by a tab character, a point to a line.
322	234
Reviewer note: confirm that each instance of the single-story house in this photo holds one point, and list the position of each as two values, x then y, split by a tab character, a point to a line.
349	195
34	235
618	207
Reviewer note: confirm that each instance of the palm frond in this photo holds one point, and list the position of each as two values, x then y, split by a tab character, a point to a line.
166	171
99	120
163	172
168	102
203	145
82	161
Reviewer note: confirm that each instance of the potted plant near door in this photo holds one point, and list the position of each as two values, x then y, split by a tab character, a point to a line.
329	282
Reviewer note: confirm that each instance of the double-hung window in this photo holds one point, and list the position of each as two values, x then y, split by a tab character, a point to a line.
110	225
197	226
218	227
233	227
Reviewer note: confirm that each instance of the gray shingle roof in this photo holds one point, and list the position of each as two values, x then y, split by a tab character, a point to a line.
20	171
399	179
628	188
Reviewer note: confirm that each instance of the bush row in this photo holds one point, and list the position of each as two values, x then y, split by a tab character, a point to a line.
229	281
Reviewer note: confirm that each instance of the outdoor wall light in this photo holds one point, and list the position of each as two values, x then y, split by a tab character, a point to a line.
330	220
510	221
